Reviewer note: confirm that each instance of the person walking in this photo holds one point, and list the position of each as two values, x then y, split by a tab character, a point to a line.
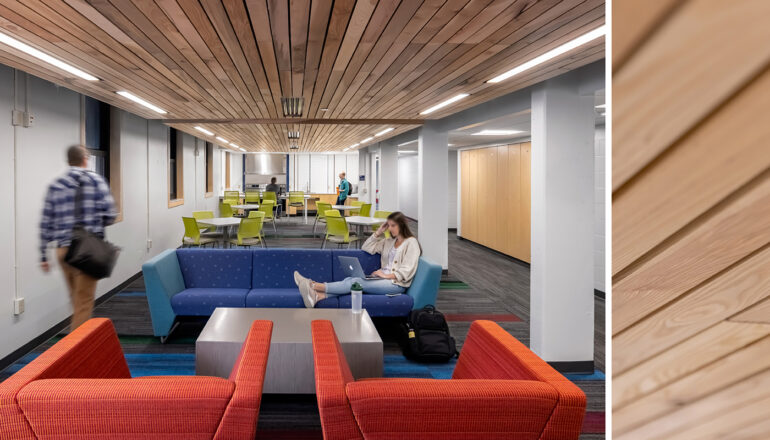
344	189
98	211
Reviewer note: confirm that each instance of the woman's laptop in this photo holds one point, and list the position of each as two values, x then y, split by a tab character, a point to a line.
352	268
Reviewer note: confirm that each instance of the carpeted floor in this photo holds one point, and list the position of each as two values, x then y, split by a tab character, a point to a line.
480	284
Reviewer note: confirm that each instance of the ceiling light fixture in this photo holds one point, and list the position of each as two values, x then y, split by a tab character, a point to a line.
551	54
204	131
293	135
387	130
445	103
29	50
601	106
407	143
292	107
141	101
221	139
496	132
294	147
366	140
324	109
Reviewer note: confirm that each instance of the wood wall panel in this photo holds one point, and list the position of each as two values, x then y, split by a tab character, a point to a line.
691	221
495	207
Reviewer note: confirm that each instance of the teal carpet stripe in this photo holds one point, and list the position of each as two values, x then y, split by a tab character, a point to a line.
596	375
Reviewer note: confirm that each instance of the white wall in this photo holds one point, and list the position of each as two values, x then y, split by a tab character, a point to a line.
317	172
40	157
453	194
407	184
599	205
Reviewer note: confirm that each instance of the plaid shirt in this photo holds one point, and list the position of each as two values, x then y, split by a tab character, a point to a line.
59	209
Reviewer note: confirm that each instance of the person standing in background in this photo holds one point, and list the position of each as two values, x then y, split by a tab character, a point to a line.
344	189
98	211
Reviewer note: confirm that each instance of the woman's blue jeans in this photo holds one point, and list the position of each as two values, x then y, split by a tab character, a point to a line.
373	287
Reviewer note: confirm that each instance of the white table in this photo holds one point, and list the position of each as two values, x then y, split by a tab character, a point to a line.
221	222
246	207
290	367
360	222
304	203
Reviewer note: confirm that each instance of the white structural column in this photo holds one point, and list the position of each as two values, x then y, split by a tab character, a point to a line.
433	193
562	289
363	170
388	177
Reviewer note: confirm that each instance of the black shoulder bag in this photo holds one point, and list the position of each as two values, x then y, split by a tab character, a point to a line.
89	252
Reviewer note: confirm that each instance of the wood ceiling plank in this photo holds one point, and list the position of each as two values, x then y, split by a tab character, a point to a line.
741	396
734	230
723	425
633	21
664	199
319	21
745	362
473	78
260	24
300	16
338	23
751	430
760	312
744	284
693	57
279	28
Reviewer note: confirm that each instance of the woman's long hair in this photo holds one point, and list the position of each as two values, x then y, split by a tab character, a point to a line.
403	226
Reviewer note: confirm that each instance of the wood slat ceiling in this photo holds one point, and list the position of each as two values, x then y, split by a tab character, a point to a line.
224	60
691	220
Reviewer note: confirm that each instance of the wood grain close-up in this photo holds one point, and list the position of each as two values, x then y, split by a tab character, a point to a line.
691	219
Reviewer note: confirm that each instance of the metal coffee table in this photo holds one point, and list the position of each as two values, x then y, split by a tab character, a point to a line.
290	364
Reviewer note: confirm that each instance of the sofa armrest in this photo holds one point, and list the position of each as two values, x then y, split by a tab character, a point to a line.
489	352
186	406
332	372
425	284
240	418
90	351
440	409
163	279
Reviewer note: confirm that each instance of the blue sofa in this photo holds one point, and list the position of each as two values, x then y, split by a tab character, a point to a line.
193	282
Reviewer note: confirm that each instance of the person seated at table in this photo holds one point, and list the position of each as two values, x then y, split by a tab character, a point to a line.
274	187
400	255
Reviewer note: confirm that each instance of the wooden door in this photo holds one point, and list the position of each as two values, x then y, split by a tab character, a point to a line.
513	181
526	197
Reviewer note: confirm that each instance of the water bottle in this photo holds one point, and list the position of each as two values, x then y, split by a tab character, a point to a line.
356	297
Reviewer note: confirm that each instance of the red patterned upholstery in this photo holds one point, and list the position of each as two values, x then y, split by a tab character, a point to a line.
500	390
489	352
331	374
81	388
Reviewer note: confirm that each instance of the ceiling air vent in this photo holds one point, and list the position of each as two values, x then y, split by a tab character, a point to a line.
293	135
294	147
292	107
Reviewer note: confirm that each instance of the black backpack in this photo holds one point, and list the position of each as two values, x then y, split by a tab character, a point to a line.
427	336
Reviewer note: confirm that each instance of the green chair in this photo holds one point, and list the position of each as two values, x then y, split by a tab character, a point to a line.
267	208
320	213
381	214
252	196
250	231
358	204
337	230
297	199
231	197
192	234
225	210
269	195
210	231
366	210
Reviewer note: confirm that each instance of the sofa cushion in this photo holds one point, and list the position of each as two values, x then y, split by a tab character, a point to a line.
282	298
203	301
215	268
382	305
369	262
274	268
331	302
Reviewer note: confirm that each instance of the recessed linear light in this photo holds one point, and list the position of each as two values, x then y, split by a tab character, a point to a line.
29	50
387	130
366	140
352	146
407	143
496	132
551	54
204	131
141	101
445	103
601	106
221	139
324	109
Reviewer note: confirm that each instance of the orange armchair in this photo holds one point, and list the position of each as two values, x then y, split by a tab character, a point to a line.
81	387
499	389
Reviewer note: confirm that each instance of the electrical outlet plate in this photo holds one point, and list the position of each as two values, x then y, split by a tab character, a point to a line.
18	306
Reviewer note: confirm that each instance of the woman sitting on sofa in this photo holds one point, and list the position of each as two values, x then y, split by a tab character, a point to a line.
400	256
